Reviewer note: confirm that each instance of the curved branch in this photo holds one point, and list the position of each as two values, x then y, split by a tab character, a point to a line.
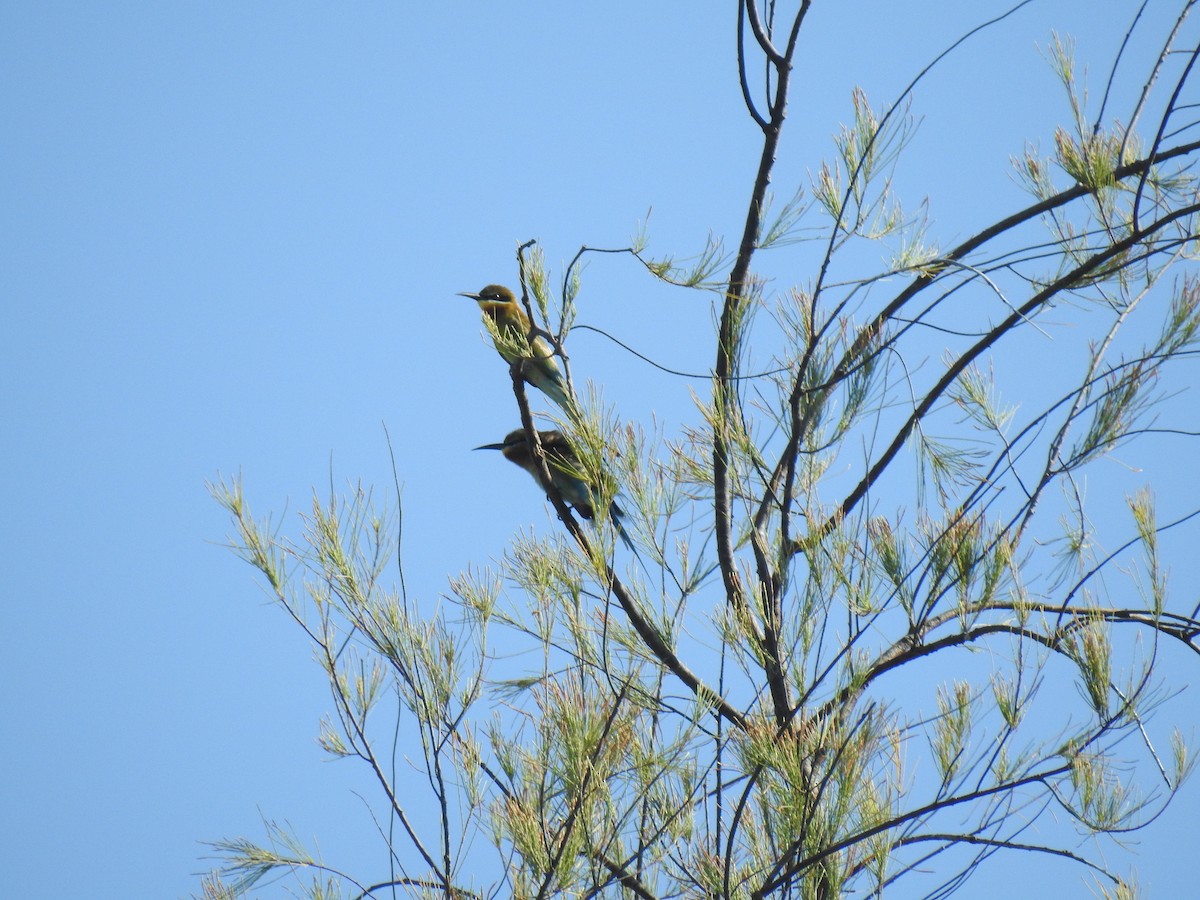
760	34
912	646
741	61
1158	137
1007	845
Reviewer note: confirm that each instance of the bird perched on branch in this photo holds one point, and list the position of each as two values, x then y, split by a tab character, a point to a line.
566	473
513	342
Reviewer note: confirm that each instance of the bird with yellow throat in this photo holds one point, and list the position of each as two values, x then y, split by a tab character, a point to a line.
512	334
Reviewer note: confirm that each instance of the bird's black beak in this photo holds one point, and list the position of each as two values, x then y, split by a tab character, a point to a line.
490	447
474	297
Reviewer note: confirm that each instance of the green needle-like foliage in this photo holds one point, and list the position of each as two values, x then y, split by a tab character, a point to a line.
867	618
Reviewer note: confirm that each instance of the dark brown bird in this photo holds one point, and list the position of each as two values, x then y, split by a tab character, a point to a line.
566	474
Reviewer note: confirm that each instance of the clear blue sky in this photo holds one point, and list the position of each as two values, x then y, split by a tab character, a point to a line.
231	236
